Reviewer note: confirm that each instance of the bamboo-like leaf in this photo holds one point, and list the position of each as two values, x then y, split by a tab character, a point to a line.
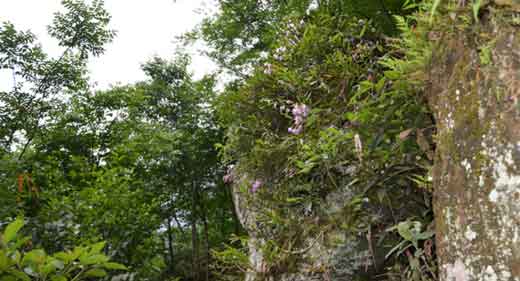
397	247
435	6
476	8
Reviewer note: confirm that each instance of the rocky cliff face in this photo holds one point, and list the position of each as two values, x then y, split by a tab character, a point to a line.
332	252
328	255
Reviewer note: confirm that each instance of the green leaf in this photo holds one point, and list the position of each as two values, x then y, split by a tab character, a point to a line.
392	75
52	266
21	242
12	229
397	247
425	235
114	266
94	259
63	256
476	9
8	278
20	275
380	84
57	263
77	252
16	257
47	269
35	256
403	228
96	272
31	272
294	199
434	9
4	261
58	278
404	248
96	248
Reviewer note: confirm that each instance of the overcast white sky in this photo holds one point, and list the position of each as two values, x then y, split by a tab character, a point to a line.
145	28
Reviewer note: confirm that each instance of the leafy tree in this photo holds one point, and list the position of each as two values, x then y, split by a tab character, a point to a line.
135	165
41	82
243	32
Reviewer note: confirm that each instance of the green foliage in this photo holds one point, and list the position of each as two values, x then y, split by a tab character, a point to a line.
19	263
135	166
233	260
485	53
124	174
326	103
435	6
476	5
242	32
82	27
368	130
421	259
476	8
43	83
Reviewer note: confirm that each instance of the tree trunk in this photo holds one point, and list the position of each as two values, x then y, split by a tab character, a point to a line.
170	244
179	225
236	220
476	101
195	263
166	256
208	254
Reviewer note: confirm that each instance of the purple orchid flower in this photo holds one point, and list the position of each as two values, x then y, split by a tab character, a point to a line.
296	131
230	175
300	112
228	178
256	185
